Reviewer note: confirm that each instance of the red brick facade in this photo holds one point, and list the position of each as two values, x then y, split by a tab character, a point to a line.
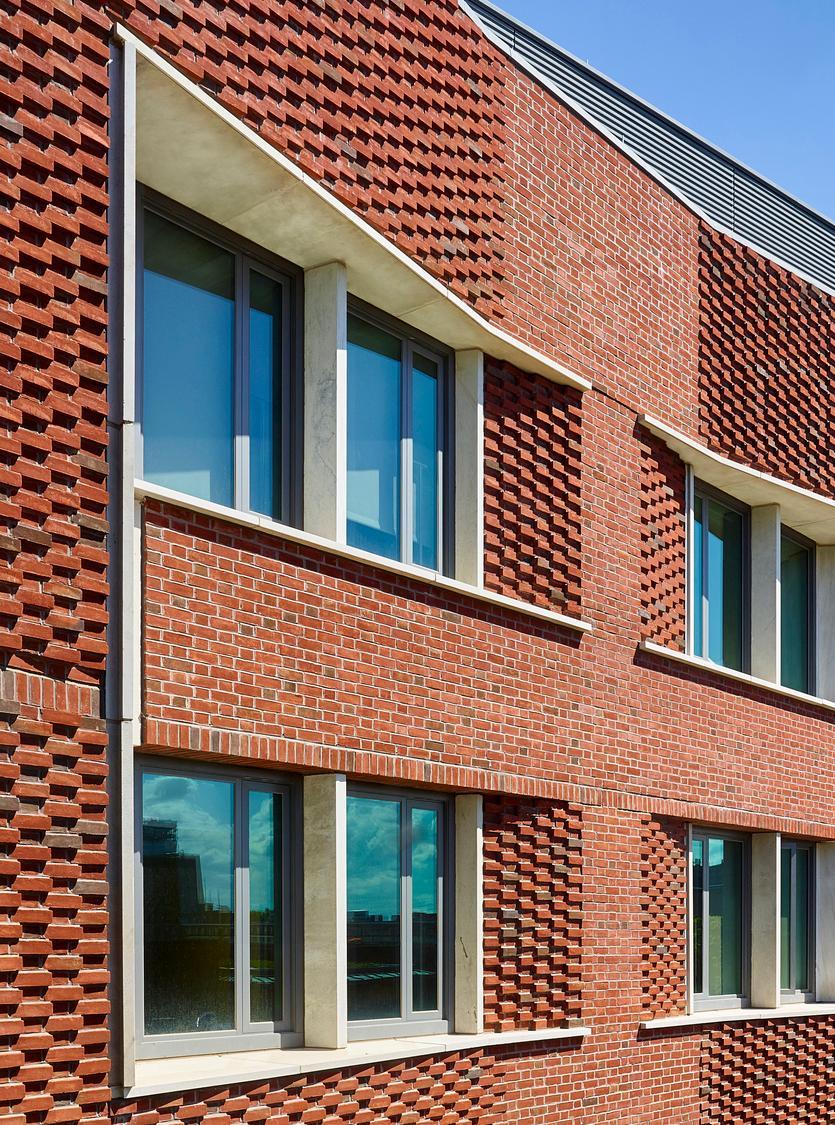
592	755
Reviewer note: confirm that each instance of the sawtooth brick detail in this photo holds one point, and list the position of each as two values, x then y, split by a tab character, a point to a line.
663	547
664	917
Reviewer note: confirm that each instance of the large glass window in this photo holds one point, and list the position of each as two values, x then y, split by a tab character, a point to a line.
395	858
214	913
796	918
720	561
395	445
215	384
797	562
720	922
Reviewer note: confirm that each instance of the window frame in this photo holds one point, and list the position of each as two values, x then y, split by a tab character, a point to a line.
811	625
411	1023
797	995
248	257
704	1001
413	342
704	491
246	1035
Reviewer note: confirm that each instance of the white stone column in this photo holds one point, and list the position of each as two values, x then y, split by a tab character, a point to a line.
469	467
325	399
469	895
765	920
765	592
325	911
825	620
825	921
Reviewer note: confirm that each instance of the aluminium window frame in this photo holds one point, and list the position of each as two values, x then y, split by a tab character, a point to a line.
700	489
413	343
812	608
439	1021
245	1035
704	1001
248	257
797	995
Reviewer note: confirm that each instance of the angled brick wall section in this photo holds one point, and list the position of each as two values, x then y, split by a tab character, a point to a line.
532	433
663	543
532	913
663	917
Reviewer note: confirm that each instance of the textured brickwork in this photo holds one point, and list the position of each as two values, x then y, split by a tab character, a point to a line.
776	1072
664	917
767	365
532	914
663	547
531	488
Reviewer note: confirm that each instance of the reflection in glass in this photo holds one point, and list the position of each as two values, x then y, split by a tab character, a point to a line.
188	887
264	394
425	462
719	582
265	983
698	576
795	904
373	861
785	916
374	430
725	916
424	909
188	368
698	916
795	566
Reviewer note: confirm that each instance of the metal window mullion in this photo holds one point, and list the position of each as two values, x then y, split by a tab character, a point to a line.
705	608
793	982
440	455
139	313
440	887
705	916
241	912
406	997
406	453
242	498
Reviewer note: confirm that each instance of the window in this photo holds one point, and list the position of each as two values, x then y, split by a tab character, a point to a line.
796	919
397	916
216	365
721	919
397	471
214	910
797	569
720	566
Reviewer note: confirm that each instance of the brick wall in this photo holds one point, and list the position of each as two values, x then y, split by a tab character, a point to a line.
664	910
663	547
532	914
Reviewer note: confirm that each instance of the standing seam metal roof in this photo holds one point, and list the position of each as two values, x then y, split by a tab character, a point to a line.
728	194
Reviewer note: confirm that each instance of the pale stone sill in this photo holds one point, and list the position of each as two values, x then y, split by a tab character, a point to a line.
732	674
146	490
739	1015
164	1076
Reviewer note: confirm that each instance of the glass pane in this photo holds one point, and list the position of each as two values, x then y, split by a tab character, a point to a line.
725	917
698	916
425	918
785	916
425	461
800	944
188	881
264	395
698	587
374	431
725	585
265	983
373	858
794	614
188	362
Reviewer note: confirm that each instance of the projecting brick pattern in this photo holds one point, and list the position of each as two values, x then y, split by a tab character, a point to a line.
531	488
53	199
663	916
777	1072
447	1089
532	913
393	107
767	365
663	546
53	902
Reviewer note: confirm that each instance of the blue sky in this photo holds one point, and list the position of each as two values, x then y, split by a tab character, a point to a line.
755	77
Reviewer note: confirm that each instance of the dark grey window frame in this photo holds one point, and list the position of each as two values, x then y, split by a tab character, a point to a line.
797	995
246	1035
703	490
705	1001
248	257
812	609
413	342
423	1023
